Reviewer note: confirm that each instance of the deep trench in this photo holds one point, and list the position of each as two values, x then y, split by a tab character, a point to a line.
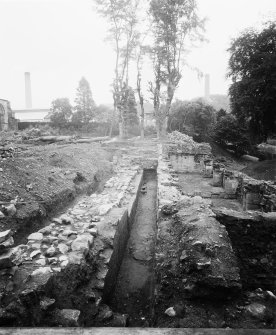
254	243
134	290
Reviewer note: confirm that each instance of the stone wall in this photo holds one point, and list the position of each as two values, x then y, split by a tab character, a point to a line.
253	194
7	118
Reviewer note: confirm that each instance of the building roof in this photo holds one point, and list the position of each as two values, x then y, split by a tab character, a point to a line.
32	115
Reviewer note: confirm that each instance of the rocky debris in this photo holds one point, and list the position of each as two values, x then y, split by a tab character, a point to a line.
185	144
203	255
67	317
42	272
169	210
170	311
50	252
35	253
65	219
82	243
4	235
248	230
9	210
47	303
6	253
6	259
257	310
75	249
118	320
105	313
35	237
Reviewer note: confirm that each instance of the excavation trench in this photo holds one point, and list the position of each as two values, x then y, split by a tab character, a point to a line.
133	293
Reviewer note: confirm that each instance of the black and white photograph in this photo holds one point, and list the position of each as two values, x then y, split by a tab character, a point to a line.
138	167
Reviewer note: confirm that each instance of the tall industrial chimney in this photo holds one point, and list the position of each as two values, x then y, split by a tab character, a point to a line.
28	91
207	86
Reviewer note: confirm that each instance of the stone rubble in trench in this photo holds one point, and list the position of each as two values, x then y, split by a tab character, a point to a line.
69	238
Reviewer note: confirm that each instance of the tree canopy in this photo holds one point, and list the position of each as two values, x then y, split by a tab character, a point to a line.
252	67
61	112
229	133
195	118
122	21
174	22
85	105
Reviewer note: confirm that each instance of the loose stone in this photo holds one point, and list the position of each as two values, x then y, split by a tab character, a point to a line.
51	251
36	237
170	311
35	253
63	248
4	235
66	219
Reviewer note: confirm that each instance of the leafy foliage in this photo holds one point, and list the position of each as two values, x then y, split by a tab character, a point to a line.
173	23
85	105
228	132
194	118
129	108
221	113
61	112
122	20
253	71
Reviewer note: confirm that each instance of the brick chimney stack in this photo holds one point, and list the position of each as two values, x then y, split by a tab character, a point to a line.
28	91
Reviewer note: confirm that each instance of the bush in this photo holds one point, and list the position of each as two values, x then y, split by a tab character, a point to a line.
229	133
150	131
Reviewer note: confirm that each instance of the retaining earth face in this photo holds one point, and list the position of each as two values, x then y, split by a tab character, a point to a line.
63	269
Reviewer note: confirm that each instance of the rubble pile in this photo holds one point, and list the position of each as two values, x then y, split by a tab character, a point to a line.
78	244
6	252
181	143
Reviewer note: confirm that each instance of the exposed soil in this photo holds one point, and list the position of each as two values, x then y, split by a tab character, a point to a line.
159	270
44	179
264	170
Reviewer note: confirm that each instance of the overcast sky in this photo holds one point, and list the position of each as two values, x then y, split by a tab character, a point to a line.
59	41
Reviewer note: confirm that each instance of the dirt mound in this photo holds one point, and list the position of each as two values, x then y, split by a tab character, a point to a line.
42	179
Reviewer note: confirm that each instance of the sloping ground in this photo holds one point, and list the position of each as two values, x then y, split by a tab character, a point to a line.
264	170
42	179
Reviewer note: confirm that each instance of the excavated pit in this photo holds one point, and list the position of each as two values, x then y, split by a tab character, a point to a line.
134	290
165	254
253	239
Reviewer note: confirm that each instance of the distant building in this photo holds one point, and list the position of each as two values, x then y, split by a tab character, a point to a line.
32	115
7	116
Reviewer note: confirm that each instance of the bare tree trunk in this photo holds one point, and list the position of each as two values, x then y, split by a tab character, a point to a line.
163	130
141	100
121	130
142	128
112	122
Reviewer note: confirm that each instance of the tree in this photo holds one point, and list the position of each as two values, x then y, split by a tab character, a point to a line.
173	22
221	113
104	116
229	133
195	118
128	108
252	67
85	105
122	19
60	112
